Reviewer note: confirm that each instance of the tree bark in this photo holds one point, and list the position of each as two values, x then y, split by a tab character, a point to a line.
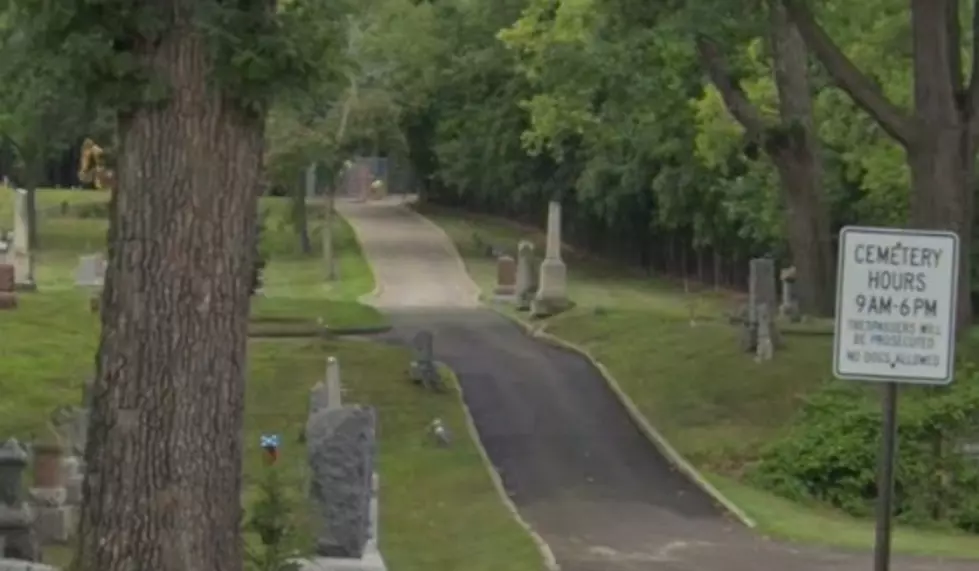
799	163
790	141
164	455
939	136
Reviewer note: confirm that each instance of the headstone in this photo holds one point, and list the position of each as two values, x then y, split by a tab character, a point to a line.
55	519
790	305
423	369
552	295
16	517
765	349
526	284
506	277
8	297
329	392
90	272
341	448
23	257
762	291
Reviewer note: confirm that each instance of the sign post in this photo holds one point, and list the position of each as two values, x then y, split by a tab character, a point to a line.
895	324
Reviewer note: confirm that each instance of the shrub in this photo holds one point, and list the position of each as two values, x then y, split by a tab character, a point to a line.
831	452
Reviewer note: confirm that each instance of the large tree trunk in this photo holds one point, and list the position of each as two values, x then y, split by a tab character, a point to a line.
790	141
800	169
941	155
164	455
939	135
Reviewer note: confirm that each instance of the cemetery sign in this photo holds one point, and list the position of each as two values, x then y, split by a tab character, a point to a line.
895	307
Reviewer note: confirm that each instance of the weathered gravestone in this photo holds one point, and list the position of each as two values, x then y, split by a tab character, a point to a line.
790	305
71	425
23	257
55	519
765	349
341	448
526	284
761	291
90	274
16	517
506	277
423	370
8	295
552	294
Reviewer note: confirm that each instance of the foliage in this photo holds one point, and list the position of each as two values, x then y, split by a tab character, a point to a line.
830	455
272	520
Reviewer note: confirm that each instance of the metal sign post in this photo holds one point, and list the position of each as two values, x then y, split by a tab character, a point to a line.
895	324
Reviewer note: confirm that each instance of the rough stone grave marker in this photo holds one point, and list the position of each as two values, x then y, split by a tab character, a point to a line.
341	446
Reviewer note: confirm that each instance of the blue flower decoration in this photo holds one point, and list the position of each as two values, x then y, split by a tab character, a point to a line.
270	441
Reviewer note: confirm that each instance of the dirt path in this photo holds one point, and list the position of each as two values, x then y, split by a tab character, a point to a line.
579	471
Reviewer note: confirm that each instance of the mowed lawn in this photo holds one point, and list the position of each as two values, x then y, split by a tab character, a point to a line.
47	349
714	403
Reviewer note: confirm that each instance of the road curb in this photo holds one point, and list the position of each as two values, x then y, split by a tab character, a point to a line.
648	430
550	562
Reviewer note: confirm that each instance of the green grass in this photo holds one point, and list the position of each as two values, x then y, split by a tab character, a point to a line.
296	295
427	493
714	403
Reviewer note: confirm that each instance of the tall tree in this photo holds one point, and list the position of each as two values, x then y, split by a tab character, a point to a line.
190	81
791	141
939	134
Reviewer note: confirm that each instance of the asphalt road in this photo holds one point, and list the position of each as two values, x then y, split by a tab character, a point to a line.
580	472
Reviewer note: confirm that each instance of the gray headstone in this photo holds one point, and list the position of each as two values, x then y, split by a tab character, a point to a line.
526	274
423	369
13	461
90	271
761	286
762	291
341	446
765	349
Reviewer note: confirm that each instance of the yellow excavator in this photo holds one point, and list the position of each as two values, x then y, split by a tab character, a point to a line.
92	169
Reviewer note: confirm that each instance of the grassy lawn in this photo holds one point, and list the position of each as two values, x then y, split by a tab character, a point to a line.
427	492
296	298
714	403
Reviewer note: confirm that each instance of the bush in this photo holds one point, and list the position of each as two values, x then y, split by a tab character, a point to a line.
831	452
271	521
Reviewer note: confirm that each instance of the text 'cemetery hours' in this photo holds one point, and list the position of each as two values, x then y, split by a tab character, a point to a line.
896	305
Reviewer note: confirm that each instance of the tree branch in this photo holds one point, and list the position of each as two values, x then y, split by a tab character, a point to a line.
864	92
734	97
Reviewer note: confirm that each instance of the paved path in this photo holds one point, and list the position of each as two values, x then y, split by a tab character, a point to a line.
579	471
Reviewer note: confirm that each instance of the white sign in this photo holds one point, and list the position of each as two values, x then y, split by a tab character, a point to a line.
895	305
